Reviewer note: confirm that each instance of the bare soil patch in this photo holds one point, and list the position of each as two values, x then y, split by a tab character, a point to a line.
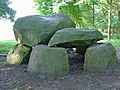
18	78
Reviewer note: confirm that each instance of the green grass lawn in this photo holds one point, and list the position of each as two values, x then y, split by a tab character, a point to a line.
6	45
115	43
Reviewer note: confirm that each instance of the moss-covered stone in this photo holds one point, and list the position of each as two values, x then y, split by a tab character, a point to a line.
18	54
75	37
49	61
34	29
100	57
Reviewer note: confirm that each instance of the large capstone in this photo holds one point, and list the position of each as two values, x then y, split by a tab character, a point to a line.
18	54
34	29
100	57
72	37
49	61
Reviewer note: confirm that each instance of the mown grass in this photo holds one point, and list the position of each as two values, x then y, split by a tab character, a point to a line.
6	45
114	42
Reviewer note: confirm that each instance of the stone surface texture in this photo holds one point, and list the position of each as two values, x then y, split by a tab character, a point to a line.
100	57
49	61
18	54
34	29
75	37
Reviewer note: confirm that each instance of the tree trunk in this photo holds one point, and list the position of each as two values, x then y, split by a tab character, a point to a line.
119	15
109	22
94	16
119	19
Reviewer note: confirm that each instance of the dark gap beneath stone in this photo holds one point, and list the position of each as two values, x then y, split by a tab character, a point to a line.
76	62
76	58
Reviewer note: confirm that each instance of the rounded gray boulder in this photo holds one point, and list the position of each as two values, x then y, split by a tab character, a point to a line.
34	29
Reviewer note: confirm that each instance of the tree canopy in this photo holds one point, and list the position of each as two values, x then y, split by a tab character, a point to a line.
5	11
97	14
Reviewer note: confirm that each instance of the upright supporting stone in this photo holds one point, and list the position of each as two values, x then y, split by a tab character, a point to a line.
100	57
49	61
18	54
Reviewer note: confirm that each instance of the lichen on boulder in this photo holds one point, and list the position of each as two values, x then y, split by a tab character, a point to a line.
18	54
35	29
49	61
100	57
72	37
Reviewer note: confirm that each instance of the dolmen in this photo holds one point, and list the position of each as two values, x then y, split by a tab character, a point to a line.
44	43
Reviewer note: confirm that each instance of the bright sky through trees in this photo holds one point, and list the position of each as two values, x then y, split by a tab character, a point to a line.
23	8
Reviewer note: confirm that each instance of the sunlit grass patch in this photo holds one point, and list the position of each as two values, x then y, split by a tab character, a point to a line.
114	42
6	45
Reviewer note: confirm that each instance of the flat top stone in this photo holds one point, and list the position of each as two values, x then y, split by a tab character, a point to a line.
75	37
